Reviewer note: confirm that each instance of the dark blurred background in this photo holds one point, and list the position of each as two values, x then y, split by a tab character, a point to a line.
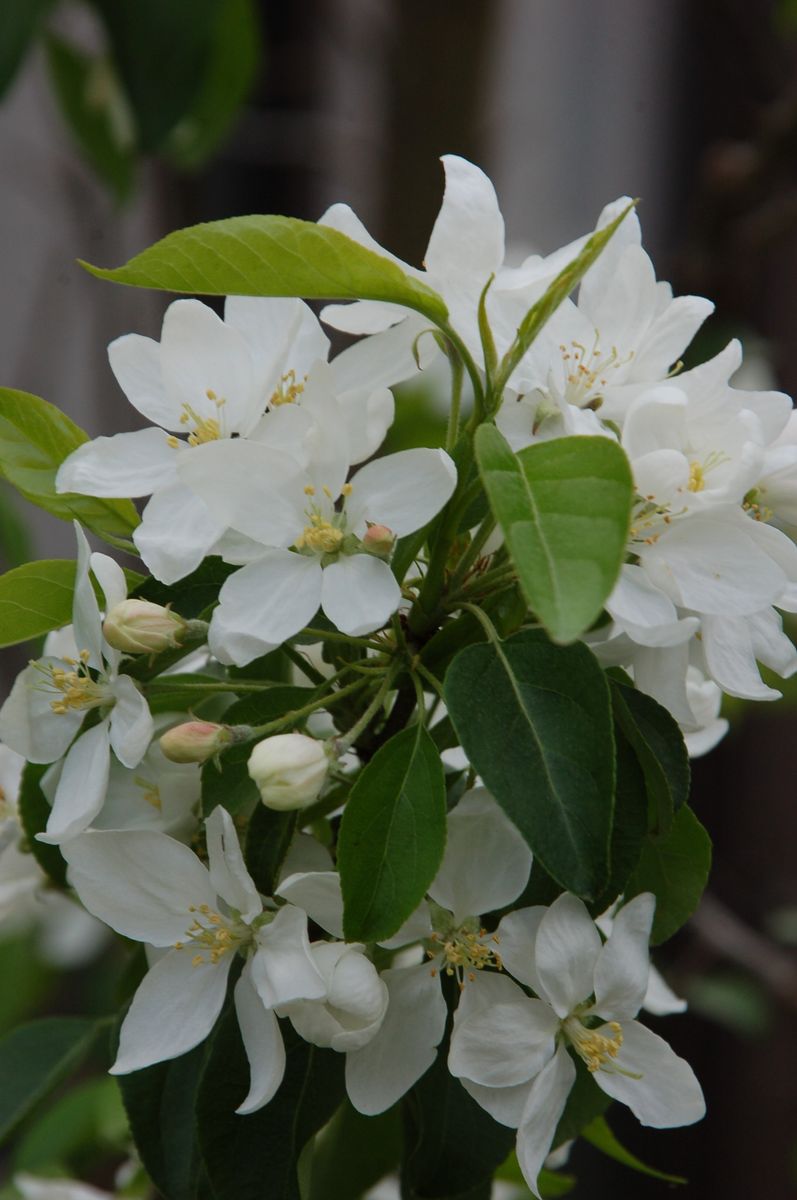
689	104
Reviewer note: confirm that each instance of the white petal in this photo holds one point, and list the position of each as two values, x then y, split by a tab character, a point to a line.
731	660
506	1044
517	934
486	863
359	593
177	531
318	893
544	1107
363	316
200	353
281	334
666	1092
32	1188
111	579
263	1043
505	1105
623	966
416	928
367	416
270	599
131	722
402	491
28	724
567	948
174	1009
143	884
379	361
282	967
136	363
127	464
669	335
228	874
468	235
406	1044
81	788
86	620
660	999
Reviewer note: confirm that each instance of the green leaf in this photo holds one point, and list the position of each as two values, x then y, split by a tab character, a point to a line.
555	295
16	543
35	1058
254	1157
90	1114
630	822
226	82
268	839
353	1153
231	786
659	746
534	720
599	1135
35	438
191	596
95	110
273	256
21	20
676	870
34	813
35	598
452	1146
159	1102
392	835
564	507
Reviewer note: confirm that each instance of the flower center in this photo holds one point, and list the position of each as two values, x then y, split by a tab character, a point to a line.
151	791
211	936
325	530
74	688
595	1049
206	429
464	950
288	391
587	371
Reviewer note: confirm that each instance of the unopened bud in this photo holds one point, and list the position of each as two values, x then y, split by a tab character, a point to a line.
140	627
289	770
195	741
379	540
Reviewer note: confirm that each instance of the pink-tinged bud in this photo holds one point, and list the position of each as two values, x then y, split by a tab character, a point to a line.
289	770
379	540
140	627
195	741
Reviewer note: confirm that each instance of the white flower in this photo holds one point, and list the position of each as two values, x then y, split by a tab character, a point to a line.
50	699
513	1055
660	999
289	770
153	889
355	1004
324	519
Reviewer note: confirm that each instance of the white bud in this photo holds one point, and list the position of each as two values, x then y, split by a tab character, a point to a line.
140	627
355	1004
195	741
289	769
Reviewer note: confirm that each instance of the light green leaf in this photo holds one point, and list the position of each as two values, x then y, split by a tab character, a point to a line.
599	1135
392	836
273	256
559	290
35	598
534	720
676	870
564	507
35	438
35	1058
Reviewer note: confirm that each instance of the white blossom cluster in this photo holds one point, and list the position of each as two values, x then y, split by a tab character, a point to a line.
255	453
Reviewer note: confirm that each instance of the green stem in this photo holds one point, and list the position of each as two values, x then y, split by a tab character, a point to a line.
332	635
300	662
430	678
452	433
484	621
351	735
473	551
470	366
489	582
166	684
289	718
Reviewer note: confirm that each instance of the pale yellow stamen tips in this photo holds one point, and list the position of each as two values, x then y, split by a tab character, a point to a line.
309	490
206	429
288	391
464	951
697	478
346	490
594	1048
74	689
588	370
211	935
320	535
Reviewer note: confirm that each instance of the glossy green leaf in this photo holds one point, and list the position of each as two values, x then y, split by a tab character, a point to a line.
564	507
392	835
272	256
255	1157
599	1135
229	784
268	839
630	822
534	720
34	813
35	598
353	1153
35	438
556	294
93	106
35	1058
191	596
660	749
159	1102
676	870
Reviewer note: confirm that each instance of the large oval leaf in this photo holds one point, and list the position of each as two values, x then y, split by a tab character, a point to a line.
676	870
392	836
273	256
564	507
35	598
535	721
35	438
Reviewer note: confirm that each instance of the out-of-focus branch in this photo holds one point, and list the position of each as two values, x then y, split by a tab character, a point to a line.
728	935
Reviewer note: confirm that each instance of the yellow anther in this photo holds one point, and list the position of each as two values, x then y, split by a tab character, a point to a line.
197	960
594	1048
320	536
206	429
309	490
211	395
697	477
346	490
289	390
327	492
172	441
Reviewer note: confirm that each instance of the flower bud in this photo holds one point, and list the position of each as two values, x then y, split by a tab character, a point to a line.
379	540
140	627
289	769
195	741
